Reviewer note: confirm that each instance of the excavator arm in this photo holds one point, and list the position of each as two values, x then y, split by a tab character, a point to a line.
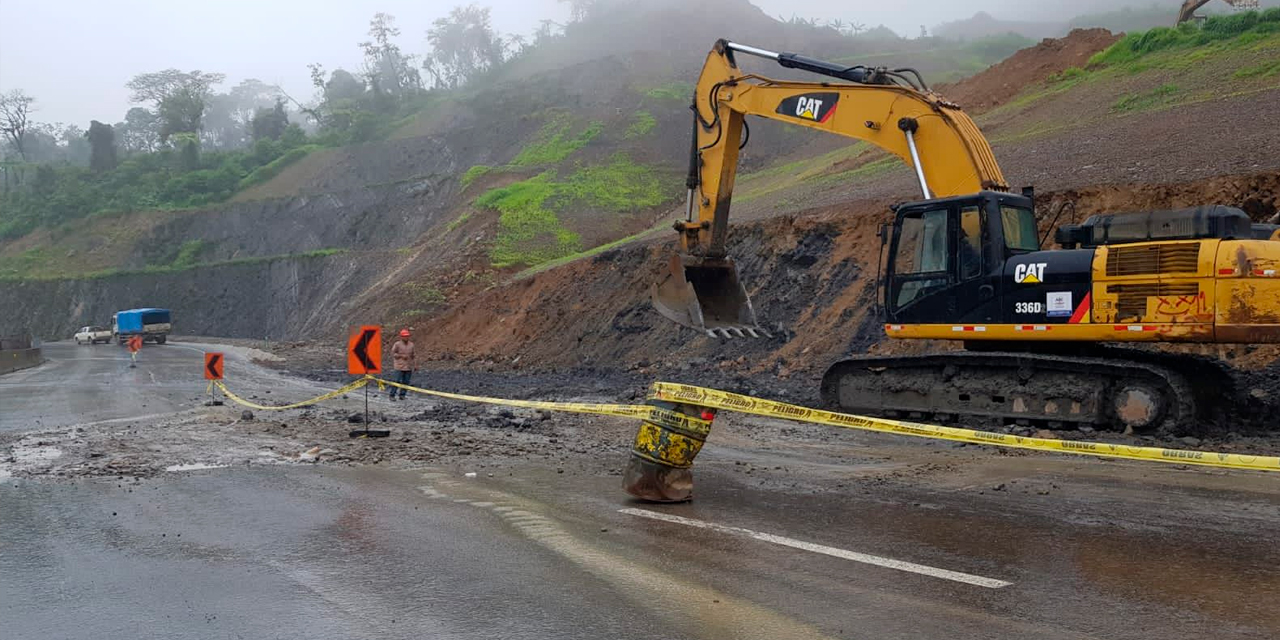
891	109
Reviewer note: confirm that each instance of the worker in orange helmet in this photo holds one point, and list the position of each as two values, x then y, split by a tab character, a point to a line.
405	362
135	345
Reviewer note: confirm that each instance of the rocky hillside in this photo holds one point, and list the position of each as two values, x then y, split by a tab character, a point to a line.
544	165
577	145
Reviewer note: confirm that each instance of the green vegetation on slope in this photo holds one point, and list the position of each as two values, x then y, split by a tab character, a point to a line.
641	125
554	142
1186	48
1142	101
530	231
1244	28
1264	70
165	179
474	173
424	293
670	91
458	221
780	177
664	225
187	254
273	168
28	266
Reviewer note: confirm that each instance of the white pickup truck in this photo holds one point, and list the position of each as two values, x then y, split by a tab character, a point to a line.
93	335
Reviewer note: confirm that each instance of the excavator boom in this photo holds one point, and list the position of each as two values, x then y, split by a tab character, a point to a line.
889	108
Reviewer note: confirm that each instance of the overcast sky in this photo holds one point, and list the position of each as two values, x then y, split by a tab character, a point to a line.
74	56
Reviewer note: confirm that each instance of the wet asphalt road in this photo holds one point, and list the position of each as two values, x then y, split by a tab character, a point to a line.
1115	550
80	384
296	552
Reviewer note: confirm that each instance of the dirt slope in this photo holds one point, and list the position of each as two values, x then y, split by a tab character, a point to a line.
810	277
1005	80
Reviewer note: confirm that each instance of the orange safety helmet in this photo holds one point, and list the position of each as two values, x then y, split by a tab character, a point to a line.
404	333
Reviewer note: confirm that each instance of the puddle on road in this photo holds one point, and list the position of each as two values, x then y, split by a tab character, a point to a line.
197	466
700	610
1235	586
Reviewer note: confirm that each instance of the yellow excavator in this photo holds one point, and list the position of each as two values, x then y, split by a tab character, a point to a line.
965	263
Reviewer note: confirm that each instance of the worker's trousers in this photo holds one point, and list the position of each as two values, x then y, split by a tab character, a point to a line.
403	377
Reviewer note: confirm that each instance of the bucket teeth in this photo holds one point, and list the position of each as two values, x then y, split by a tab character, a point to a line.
740	331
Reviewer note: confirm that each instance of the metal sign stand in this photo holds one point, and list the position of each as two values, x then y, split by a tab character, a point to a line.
213	396
366	432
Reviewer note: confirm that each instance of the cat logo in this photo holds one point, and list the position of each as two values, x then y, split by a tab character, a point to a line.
808	107
1030	273
816	107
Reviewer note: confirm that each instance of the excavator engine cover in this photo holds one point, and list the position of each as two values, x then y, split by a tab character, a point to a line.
705	293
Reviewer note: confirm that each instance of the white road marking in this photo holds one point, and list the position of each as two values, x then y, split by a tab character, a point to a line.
889	563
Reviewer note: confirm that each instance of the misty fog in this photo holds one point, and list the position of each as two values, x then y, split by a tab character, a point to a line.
75	56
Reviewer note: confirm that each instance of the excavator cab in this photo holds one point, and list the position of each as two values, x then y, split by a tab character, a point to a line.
947	256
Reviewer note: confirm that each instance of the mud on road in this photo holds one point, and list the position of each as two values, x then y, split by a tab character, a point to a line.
488	439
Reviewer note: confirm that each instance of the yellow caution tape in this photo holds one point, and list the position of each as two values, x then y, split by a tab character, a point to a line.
321	398
694	430
746	404
619	410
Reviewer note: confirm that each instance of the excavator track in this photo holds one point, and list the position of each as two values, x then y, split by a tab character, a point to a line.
1140	392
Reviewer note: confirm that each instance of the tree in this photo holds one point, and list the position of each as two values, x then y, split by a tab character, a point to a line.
388	70
269	124
188	146
140	131
516	45
228	116
547	30
343	87
179	97
463	45
102	143
579	10
73	146
251	95
15	119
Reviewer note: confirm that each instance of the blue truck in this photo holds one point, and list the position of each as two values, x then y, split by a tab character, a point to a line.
151	324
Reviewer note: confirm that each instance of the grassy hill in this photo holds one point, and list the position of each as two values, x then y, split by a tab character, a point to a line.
569	147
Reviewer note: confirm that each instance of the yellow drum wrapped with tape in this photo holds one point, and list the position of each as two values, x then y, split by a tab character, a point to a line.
660	468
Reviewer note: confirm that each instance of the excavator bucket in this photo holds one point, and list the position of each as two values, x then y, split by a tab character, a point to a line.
705	294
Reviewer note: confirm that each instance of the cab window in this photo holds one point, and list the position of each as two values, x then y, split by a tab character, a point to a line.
921	258
970	245
922	247
1020	231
